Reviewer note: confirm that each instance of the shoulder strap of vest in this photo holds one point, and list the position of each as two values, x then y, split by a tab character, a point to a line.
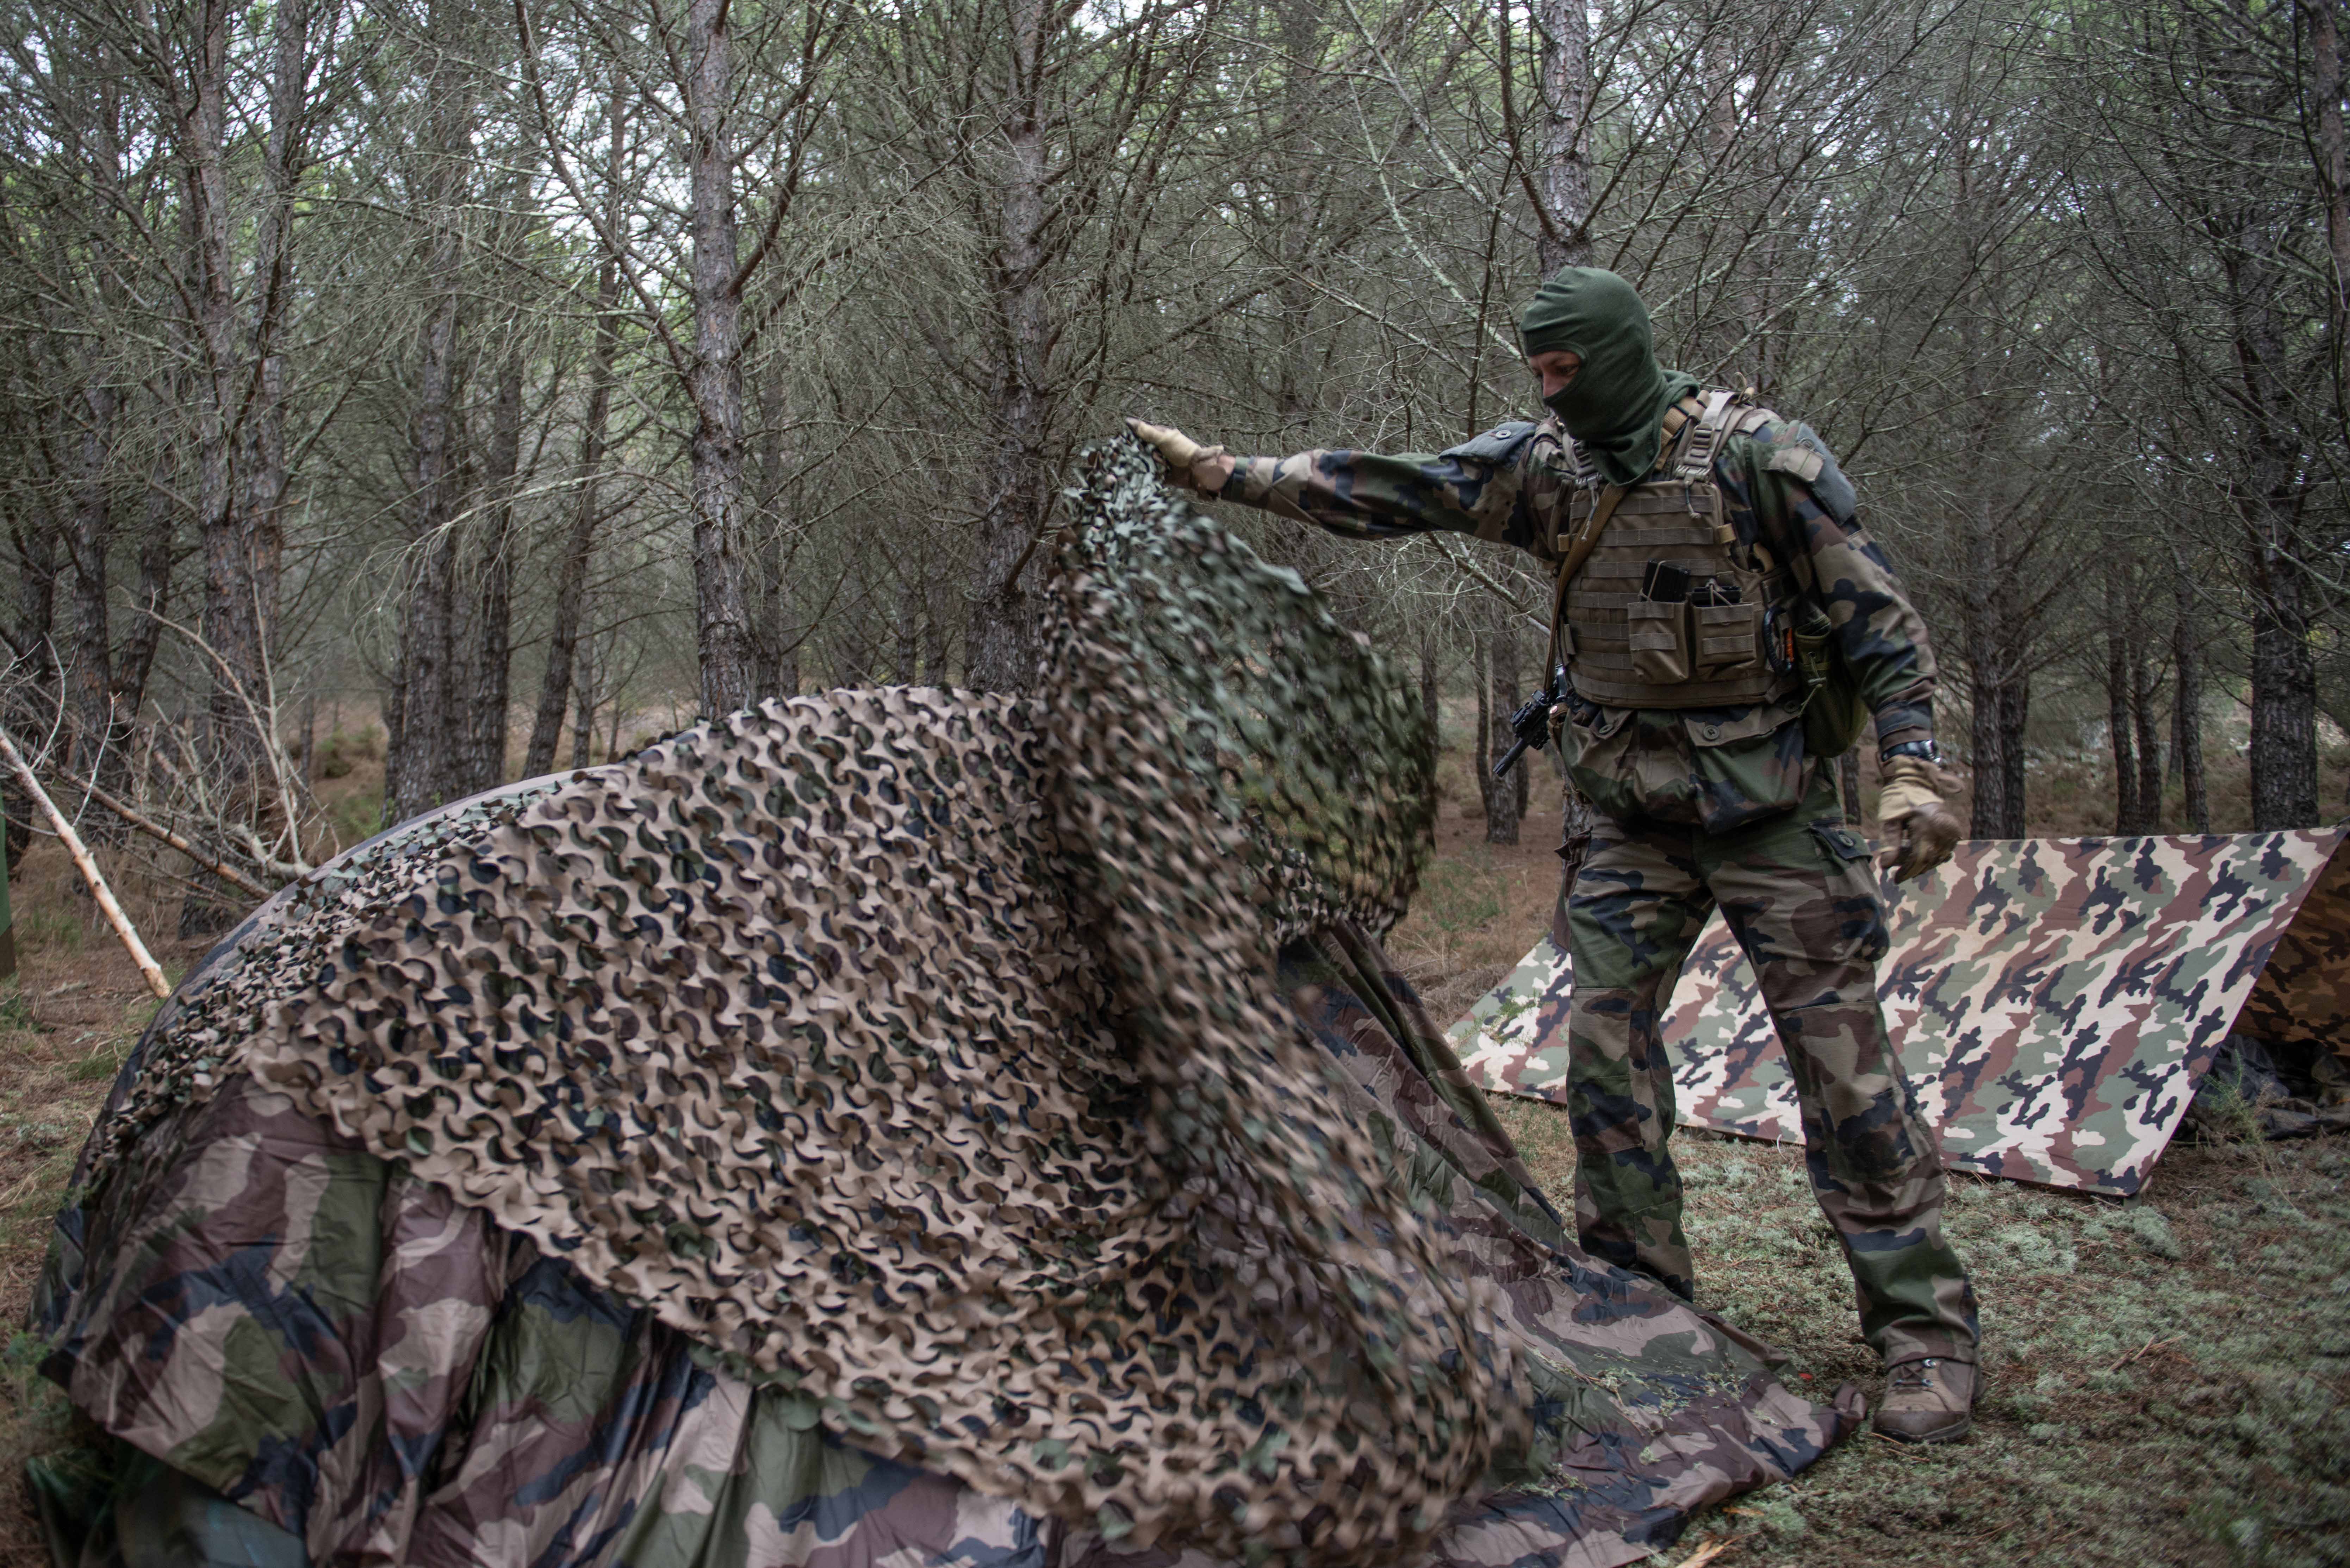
1696	461
1586	475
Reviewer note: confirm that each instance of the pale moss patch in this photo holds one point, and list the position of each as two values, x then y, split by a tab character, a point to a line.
2165	1376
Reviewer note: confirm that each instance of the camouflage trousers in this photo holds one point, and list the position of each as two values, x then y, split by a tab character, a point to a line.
1801	895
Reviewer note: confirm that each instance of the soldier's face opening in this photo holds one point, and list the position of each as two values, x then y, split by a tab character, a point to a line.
1556	367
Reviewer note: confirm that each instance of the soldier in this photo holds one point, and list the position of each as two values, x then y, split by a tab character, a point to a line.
1709	568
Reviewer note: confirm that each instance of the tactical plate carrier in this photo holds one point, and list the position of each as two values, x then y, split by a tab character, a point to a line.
1667	610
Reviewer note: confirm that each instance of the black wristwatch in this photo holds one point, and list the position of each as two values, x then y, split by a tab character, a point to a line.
1925	750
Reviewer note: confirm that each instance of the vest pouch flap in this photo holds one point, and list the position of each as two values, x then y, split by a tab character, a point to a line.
1657	635
1719	727
1593	723
1729	638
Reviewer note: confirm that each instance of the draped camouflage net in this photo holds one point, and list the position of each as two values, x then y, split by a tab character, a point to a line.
918	1051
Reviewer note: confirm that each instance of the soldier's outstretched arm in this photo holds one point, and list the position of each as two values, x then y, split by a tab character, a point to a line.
1366	495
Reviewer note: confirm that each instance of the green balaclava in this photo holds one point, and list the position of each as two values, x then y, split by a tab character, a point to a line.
1615	405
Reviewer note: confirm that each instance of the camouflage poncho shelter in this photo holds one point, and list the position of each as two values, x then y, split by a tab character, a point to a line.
2057	1000
974	1127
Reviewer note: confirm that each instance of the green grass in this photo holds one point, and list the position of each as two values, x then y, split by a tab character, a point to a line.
45	928
1457	895
357	816
341	753
2166	1378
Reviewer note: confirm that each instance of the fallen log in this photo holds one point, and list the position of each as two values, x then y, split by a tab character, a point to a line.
148	968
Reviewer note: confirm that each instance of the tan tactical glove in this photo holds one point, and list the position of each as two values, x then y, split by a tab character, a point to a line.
1199	468
1922	828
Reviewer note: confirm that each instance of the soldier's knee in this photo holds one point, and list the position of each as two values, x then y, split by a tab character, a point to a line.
1874	1149
1611	1117
1613	1024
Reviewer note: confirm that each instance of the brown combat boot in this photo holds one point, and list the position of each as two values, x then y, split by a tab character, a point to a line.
1929	1400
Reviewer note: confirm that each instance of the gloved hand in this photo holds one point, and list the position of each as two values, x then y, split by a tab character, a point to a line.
1198	468
1922	829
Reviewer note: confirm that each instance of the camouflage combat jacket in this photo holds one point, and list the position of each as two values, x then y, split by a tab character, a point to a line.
1717	768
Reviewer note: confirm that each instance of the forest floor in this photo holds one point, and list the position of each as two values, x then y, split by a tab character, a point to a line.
2169	1379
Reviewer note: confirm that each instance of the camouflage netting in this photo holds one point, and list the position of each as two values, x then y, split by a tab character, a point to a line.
917	1050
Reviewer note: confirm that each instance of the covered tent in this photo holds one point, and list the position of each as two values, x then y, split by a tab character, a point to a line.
904	1126
2056	1001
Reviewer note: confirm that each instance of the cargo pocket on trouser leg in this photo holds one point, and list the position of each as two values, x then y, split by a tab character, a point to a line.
1658	635
1853	892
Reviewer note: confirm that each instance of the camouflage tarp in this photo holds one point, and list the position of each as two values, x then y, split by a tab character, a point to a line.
2303	992
875	1121
2053	1000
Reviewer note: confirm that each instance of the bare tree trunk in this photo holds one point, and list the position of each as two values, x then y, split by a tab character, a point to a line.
1566	97
492	660
2014	712
416	757
580	544
395	707
90	678
1430	697
2283	747
2325	88
779	663
151	599
233	611
583	706
2118	715
1501	795
779	627
1303	36
1985	737
776	644
2146	691
418	773
1001	651
36	545
853	650
263	457
1479	662
2283	741
563	657
2187	708
936	652
310	743
910	635
723	626
2285	601
37	591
